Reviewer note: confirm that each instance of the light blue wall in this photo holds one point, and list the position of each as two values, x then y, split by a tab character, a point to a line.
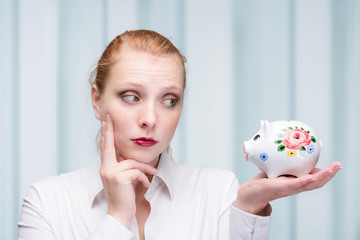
9	120
247	61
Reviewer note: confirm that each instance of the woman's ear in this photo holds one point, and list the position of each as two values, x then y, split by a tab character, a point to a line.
96	101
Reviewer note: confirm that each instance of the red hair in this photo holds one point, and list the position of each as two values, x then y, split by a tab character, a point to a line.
143	40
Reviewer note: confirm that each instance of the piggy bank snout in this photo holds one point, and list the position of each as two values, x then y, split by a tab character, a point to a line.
246	149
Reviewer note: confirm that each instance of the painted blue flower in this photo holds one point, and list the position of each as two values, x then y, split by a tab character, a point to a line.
310	149
264	157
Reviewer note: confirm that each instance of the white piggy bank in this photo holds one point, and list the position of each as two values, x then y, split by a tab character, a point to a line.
284	148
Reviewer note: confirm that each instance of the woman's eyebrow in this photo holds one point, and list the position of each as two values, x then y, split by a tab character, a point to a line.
130	84
172	87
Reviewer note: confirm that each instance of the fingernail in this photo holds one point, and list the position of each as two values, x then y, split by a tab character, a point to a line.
107	116
338	167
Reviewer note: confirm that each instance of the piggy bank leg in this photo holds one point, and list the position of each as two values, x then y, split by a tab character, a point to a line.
271	175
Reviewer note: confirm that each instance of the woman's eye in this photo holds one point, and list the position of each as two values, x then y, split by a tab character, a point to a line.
256	137
131	98
170	102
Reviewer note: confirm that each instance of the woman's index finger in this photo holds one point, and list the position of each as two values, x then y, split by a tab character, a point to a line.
107	141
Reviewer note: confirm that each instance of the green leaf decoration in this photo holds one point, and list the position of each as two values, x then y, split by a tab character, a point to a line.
302	148
278	141
313	139
284	130
290	128
302	128
281	148
280	135
308	131
296	127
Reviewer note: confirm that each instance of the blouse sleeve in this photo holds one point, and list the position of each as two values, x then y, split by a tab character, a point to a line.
244	225
235	224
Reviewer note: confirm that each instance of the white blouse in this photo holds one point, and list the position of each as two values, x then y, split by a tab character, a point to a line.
186	203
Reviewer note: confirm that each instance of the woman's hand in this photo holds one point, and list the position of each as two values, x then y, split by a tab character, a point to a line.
120	177
254	195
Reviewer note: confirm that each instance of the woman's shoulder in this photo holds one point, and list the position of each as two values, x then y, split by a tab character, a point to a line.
205	171
208	175
192	174
56	199
62	178
58	186
216	186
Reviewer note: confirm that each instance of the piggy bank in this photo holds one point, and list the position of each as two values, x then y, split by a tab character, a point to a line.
283	148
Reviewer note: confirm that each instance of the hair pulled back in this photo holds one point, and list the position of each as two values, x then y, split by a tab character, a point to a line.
142	40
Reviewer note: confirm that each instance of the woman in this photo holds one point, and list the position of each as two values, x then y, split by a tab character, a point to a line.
141	193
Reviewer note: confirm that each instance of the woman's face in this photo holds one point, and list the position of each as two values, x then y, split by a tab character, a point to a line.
143	95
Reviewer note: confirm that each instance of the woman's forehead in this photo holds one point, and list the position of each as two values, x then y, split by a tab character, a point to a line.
138	66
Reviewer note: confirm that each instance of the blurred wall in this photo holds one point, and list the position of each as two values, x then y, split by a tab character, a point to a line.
247	61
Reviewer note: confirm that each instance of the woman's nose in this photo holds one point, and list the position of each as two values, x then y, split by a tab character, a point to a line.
148	116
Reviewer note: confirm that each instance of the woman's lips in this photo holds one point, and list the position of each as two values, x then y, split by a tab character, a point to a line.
144	142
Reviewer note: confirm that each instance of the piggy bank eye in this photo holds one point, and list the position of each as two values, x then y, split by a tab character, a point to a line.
256	137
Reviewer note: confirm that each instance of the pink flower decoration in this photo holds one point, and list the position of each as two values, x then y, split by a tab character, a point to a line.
296	138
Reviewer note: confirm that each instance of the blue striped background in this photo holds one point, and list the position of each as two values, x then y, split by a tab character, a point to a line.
281	59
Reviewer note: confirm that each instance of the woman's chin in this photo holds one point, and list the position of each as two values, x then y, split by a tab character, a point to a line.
148	158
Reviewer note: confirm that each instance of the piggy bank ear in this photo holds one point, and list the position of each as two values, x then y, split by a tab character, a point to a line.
265	126
321	144
260	132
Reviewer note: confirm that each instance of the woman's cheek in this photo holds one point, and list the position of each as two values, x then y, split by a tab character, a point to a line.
174	120
171	128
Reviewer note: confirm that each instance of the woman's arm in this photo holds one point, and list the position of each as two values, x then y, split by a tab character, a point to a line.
248	217
255	195
236	224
